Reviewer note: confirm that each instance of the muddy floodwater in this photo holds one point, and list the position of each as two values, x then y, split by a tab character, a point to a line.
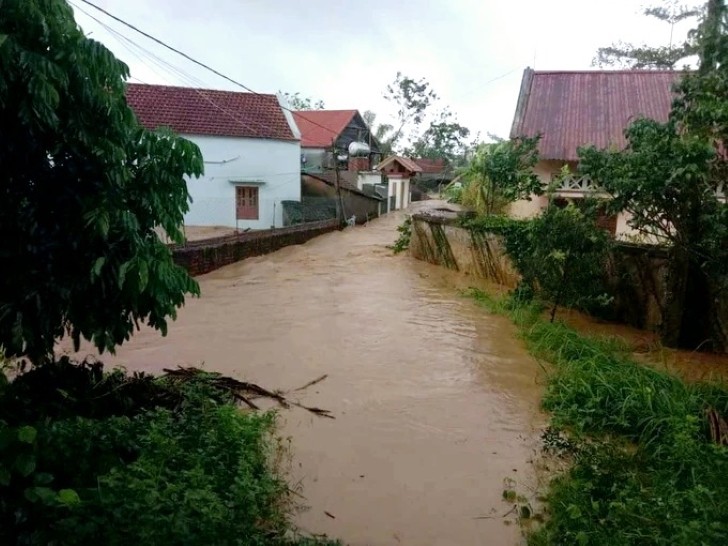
436	401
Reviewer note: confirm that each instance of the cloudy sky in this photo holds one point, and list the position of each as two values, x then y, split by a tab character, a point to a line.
473	52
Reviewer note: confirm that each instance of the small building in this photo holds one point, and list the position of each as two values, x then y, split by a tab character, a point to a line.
323	129
575	109
398	172
435	175
249	143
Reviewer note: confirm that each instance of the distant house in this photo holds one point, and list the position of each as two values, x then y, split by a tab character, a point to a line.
436	174
398	172
250	145
574	109
320	129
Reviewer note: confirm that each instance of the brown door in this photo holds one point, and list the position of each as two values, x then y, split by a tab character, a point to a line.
246	203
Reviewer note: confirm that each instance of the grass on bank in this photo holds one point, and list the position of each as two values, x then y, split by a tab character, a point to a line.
645	464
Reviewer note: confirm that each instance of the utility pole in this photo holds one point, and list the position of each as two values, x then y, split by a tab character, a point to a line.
337	185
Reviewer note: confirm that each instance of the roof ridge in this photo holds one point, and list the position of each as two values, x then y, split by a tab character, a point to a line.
197	89
619	71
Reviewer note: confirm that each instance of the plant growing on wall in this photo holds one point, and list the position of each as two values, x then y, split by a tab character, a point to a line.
84	186
667	178
562	257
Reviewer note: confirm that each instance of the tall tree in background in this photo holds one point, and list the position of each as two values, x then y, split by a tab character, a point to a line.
627	55
83	188
421	129
444	139
382	132
298	102
667	179
412	98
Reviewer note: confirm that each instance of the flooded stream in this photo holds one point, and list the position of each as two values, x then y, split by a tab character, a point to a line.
435	400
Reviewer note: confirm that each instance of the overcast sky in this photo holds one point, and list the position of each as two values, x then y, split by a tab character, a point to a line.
473	52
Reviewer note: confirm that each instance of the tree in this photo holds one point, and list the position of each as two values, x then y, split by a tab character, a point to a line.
444	139
83	188
382	132
662	57
500	173
412	98
667	178
297	102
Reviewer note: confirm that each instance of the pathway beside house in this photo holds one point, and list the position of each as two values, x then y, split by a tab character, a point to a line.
435	400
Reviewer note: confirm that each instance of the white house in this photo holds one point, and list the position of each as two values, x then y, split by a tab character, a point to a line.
250	146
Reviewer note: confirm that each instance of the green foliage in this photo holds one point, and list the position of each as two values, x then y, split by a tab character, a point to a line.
561	255
405	236
667	177
135	460
445	139
644	56
298	102
643	467
500	173
442	138
84	186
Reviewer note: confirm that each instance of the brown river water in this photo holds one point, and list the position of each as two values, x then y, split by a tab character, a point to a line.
436	401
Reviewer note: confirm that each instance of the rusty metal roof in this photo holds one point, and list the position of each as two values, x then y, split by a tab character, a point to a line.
574	109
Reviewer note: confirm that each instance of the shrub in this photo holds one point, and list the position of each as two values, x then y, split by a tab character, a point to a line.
135	460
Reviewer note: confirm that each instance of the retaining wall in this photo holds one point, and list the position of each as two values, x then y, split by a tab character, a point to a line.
636	274
203	256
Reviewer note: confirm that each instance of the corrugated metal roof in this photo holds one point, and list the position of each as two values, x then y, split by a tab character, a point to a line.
574	109
319	128
192	111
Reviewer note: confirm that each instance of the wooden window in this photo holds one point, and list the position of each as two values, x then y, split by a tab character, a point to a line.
246	202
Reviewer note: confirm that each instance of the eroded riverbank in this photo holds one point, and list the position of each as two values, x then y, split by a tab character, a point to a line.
436	402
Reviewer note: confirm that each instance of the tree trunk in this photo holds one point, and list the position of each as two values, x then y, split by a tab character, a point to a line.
677	280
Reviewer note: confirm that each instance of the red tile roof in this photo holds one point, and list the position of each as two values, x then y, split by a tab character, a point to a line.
320	127
430	166
191	111
573	109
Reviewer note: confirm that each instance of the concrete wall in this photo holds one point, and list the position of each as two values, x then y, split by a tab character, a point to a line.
355	204
437	240
200	257
271	165
636	274
399	188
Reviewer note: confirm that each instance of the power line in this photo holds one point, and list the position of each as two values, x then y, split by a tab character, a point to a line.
129	45
199	63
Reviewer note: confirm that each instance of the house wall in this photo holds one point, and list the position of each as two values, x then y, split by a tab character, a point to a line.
314	159
368	177
399	188
545	170
271	165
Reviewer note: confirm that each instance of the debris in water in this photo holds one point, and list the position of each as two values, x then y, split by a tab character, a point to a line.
246	392
332	516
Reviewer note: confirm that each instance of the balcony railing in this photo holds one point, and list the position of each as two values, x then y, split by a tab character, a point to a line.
584	184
